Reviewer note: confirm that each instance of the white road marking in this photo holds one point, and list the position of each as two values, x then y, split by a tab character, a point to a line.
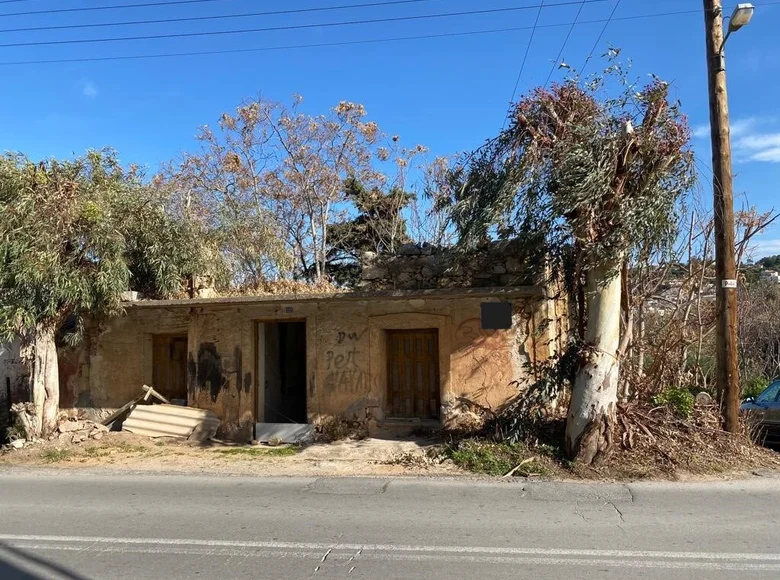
365	548
204	551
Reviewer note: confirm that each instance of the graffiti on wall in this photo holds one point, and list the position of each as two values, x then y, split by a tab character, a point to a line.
344	375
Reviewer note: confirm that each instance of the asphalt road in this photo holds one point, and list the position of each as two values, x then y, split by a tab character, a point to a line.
86	525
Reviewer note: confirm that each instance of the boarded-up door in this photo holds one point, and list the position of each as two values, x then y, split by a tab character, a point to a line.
169	366
413	373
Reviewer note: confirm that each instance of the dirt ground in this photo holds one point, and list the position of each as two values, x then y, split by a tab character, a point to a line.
122	451
126	451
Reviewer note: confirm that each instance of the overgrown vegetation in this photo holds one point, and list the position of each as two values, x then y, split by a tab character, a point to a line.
56	455
333	429
590	172
259	452
498	458
678	400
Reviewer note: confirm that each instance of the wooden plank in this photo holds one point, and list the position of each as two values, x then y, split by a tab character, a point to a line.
413	373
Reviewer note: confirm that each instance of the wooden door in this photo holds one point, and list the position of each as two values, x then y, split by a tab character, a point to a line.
413	374
169	366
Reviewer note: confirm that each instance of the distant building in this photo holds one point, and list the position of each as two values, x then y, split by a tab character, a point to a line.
771	276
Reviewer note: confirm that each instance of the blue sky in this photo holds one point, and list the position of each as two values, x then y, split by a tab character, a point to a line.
449	94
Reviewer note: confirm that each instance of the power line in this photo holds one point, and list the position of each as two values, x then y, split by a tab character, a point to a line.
349	43
525	58
603	30
565	42
215	17
114	7
289	27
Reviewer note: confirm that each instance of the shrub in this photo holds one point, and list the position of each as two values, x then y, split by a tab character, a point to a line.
679	400
754	386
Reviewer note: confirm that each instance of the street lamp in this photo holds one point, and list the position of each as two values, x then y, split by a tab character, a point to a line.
723	208
741	16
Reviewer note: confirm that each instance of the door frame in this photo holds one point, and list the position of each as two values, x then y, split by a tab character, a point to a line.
169	336
377	360
259	361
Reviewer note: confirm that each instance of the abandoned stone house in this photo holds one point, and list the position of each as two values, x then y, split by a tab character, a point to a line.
397	357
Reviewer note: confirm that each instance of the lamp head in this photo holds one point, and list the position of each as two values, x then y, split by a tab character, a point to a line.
741	16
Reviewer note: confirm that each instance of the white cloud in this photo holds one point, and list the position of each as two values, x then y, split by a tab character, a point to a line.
743	126
738	128
771	155
89	89
701	131
762	248
752	139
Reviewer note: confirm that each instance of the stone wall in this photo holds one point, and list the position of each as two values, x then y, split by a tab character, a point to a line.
416	267
346	359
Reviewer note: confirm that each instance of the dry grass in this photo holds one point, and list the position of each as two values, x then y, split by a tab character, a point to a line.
650	443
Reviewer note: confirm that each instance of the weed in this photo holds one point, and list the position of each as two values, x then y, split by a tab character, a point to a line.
96	451
334	429
259	452
754	386
159	443
282	451
130	448
55	455
679	400
490	458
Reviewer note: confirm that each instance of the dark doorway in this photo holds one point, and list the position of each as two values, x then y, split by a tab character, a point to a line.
169	367
413	374
282	354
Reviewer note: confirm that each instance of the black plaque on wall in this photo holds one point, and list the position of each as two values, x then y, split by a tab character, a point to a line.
496	315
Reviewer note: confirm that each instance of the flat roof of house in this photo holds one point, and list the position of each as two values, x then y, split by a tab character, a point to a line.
513	291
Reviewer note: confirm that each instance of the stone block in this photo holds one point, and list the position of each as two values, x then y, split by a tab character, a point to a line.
70	426
409	250
374	273
514	265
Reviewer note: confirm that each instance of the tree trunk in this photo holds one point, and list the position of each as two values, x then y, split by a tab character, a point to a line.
591	419
40	352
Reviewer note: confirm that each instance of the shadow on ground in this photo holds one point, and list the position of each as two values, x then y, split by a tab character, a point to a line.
16	564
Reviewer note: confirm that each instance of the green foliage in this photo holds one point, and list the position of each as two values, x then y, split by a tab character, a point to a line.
75	234
259	452
378	226
491	458
754	386
56	455
678	400
574	169
770	262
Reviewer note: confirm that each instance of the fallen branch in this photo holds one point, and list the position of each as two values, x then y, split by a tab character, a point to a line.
511	472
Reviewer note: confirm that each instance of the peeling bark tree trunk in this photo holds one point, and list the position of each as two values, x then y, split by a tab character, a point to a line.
40	352
591	419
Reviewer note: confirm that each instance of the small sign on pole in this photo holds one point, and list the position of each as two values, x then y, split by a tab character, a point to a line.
728	283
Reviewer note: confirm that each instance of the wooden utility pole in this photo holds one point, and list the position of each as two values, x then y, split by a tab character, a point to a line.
725	266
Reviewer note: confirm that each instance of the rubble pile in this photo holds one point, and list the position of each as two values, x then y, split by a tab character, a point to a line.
79	431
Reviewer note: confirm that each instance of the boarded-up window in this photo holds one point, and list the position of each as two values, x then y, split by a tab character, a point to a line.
413	374
169	366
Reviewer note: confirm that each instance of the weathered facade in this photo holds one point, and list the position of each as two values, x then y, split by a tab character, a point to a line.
13	381
384	357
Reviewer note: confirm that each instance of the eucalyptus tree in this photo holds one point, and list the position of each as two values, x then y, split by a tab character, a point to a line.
595	169
74	235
